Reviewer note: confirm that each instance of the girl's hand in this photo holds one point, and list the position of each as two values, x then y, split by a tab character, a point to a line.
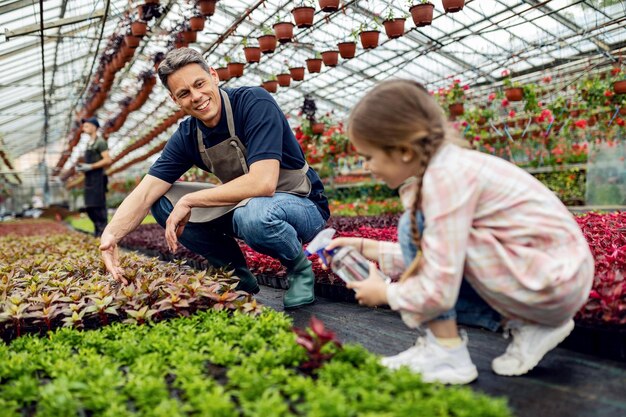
355	242
371	292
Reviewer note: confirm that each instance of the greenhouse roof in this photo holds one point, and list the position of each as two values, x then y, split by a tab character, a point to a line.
47	81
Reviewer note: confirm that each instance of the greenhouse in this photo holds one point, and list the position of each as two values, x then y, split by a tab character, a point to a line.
312	208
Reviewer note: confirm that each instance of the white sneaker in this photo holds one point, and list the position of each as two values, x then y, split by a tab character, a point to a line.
530	343
435	362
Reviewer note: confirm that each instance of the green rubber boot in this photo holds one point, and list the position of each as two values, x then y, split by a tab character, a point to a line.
247	280
301	283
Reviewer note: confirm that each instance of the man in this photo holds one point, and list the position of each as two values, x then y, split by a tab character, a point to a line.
269	197
96	159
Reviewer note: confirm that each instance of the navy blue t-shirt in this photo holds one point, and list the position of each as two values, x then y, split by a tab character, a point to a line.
259	124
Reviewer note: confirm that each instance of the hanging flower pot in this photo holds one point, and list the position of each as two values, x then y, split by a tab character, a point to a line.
347	50
179	42
453	6
303	16
317	128
252	54
131	41
329	5
235	69
330	58
271	86
456	109
314	65
619	87
514	94
394	28
297	73
267	43
206	7
189	36
139	28
369	39
422	14
196	23
283	31
223	73
284	80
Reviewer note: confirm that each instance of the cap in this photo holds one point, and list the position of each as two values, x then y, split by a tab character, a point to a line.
92	120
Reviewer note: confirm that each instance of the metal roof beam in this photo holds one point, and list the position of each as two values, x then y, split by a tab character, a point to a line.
55	24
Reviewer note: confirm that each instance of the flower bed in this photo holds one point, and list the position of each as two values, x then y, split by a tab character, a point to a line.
213	364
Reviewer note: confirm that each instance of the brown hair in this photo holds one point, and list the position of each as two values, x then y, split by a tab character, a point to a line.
401	113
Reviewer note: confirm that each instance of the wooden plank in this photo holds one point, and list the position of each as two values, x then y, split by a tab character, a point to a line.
564	384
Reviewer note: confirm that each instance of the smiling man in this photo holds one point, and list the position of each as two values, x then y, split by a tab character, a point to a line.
269	196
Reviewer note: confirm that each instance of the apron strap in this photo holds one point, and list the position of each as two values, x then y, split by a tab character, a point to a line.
229	114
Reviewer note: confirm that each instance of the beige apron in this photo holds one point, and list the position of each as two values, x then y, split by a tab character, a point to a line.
227	160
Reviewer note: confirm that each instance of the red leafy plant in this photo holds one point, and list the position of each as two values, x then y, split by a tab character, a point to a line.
318	342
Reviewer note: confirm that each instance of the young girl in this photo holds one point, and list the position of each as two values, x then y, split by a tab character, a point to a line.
486	223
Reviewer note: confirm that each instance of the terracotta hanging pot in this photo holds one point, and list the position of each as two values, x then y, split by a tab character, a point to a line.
297	73
619	87
317	128
267	43
314	65
283	31
456	109
196	23
303	16
422	14
223	73
235	69
189	36
271	86
252	54
131	41
206	7
394	28
139	28
329	5
514	94
330	58
284	80
347	50
369	39
453	6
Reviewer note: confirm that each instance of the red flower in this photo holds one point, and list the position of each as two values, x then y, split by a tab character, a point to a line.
619	121
505	103
608	93
547	79
512	113
492	97
506	73
582	123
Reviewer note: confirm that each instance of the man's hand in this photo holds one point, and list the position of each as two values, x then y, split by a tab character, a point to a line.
110	256
175	224
83	167
371	292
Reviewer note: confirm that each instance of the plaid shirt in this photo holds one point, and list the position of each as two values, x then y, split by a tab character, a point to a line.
501	229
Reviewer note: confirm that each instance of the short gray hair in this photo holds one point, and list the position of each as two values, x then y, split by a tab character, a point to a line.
178	58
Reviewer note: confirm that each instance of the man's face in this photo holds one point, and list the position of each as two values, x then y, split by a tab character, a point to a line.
89	128
196	92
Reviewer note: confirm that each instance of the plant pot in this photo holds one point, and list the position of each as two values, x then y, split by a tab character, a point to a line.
283	31
394	28
252	54
297	73
196	23
303	16
206	7
347	50
422	14
223	73
369	39
456	109
453	6
131	41
271	86
619	87
514	94
139	28
284	80
235	69
314	65
329	5
267	43
330	58
318	128
189	36
592	120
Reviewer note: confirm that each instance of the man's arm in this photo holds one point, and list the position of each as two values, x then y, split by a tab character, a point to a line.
104	162
127	217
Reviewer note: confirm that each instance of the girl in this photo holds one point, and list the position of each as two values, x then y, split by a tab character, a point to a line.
486	223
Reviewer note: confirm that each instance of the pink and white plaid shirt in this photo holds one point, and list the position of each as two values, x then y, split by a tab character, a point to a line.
498	226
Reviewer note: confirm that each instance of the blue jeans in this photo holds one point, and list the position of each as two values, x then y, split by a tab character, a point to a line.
470	308
276	226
